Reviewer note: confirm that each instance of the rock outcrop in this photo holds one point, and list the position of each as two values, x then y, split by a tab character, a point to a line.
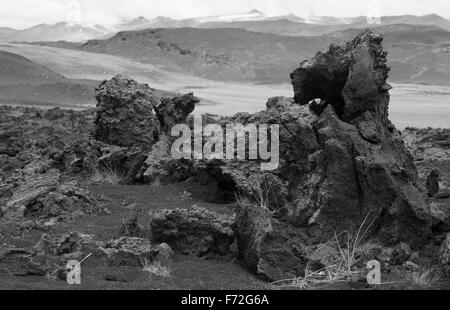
39	193
125	113
132	119
431	151
173	111
343	165
270	248
29	133
358	164
35	190
352	78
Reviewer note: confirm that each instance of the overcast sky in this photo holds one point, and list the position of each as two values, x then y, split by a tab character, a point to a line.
26	13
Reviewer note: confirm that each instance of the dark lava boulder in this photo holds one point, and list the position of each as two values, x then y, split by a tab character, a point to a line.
195	231
132	119
125	113
352	78
270	248
431	151
346	167
337	166
173	111
349	162
433	182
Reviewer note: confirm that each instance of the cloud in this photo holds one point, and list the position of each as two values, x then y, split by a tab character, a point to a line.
25	13
74	12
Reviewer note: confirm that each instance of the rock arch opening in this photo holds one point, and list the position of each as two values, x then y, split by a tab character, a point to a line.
310	84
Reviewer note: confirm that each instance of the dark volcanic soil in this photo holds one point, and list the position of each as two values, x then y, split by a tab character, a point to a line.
188	273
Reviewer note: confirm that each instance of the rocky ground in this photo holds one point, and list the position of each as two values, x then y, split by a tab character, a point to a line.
100	185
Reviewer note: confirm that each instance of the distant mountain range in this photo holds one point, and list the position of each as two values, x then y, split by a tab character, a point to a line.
252	46
63	31
287	25
417	54
25	82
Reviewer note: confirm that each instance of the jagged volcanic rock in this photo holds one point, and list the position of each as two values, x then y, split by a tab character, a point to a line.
173	111
38	192
349	161
131	121
352	78
431	151
125	113
342	165
272	249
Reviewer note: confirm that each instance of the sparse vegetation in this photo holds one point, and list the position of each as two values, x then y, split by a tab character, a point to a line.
425	277
265	197
107	175
156	268
346	249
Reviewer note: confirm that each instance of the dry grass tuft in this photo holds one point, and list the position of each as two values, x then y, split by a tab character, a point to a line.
425	277
342	269
107	175
261	199
156	268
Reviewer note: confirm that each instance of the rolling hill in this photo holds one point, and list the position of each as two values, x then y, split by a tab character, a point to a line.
5	33
224	98
217	54
418	54
25	82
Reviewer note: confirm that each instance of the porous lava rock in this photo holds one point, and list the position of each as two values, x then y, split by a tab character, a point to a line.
343	167
195	231
38	192
173	111
132	121
125	113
